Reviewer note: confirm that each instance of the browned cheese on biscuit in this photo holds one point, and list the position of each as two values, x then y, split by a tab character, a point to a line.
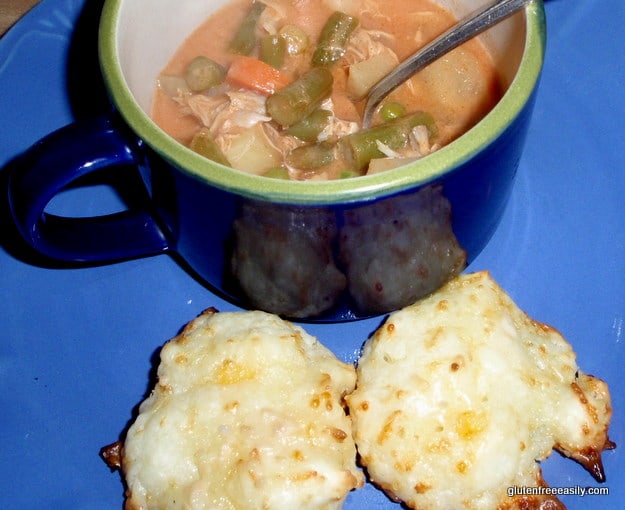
247	413
459	396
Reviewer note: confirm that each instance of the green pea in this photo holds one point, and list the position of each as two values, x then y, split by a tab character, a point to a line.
296	39
392	110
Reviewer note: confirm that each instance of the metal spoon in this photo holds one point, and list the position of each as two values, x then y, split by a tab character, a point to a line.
465	29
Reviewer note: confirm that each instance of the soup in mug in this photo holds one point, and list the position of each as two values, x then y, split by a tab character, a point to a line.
277	88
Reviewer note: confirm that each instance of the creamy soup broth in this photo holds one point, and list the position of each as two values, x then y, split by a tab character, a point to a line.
457	91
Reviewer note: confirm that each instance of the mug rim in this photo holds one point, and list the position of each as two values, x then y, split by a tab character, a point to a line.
362	188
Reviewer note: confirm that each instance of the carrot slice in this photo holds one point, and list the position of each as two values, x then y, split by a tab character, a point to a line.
254	74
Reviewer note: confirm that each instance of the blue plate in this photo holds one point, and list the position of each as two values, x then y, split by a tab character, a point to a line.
77	345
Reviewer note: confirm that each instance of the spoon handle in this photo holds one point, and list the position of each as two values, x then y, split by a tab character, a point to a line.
465	29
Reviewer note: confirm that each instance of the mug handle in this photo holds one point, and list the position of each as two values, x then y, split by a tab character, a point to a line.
58	160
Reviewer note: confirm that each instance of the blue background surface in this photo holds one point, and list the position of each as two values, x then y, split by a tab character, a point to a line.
77	346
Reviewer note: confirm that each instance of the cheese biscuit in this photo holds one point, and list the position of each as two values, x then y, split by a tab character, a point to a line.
247	413
459	396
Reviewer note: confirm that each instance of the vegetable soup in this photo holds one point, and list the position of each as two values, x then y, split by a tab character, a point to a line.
277	88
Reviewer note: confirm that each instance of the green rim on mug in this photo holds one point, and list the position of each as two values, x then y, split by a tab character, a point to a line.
335	191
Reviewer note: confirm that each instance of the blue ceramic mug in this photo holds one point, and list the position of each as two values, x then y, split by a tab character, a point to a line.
333	250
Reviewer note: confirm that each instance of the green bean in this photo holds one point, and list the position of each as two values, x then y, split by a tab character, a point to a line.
313	156
363	146
296	39
333	38
299	99
244	41
204	144
272	50
202	73
309	128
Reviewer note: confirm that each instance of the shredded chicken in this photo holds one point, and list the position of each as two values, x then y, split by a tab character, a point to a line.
421	18
245	110
386	150
356	7
364	44
272	16
420	141
419	145
203	107
227	115
336	127
280	141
